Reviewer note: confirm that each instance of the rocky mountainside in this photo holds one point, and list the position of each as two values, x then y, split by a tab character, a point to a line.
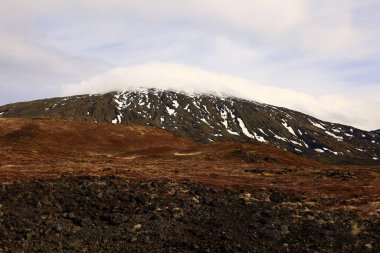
208	118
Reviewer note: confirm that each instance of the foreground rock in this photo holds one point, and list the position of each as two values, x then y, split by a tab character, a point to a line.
92	214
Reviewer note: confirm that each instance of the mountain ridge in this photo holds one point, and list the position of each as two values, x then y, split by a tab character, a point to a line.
208	118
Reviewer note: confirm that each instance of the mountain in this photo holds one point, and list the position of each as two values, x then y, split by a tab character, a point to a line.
376	131
48	148
207	118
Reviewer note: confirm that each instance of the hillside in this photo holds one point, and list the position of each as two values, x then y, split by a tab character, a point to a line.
208	118
48	149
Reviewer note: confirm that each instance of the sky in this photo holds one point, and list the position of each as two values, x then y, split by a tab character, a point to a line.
316	56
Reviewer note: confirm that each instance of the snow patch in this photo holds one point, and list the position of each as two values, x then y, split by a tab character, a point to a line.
262	131
319	150
205	121
175	104
290	129
317	124
334	152
259	138
141	102
339	138
280	138
121	101
195	104
205	107
170	111
296	143
244	129
335	130
231	132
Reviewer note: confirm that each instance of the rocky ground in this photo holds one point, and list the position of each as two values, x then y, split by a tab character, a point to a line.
111	214
68	186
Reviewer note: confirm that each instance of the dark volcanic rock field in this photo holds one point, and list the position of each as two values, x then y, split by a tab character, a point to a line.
109	214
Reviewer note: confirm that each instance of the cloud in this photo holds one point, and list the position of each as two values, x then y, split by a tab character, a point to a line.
314	25
331	107
32	71
316	48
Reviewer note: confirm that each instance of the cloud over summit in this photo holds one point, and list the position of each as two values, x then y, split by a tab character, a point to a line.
330	107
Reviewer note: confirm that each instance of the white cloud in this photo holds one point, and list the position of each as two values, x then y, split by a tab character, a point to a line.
22	52
331	107
319	47
32	71
315	25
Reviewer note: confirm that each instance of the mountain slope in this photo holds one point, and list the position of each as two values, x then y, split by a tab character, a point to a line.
48	148
207	118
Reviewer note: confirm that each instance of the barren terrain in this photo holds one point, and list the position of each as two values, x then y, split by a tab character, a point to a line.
101	187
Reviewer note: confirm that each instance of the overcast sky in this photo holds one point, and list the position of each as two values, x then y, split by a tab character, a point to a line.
321	57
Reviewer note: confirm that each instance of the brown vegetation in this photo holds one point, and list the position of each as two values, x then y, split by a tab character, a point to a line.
48	149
